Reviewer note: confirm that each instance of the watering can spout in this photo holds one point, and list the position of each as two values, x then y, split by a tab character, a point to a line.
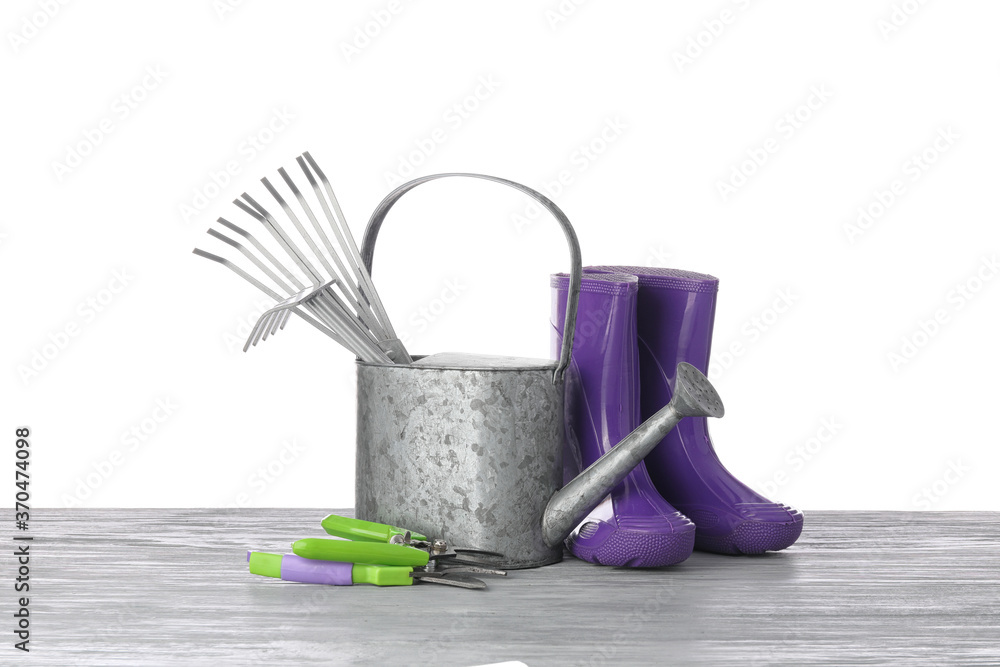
694	396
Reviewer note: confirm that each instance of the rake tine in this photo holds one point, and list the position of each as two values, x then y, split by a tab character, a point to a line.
350	319
268	323
253	258
351	333
363	311
312	219
275	323
298	225
362	273
385	336
298	284
259	264
270	292
259	330
263	251
266	329
369	318
260	214
285	318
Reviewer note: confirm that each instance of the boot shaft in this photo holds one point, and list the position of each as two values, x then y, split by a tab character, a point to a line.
676	314
602	385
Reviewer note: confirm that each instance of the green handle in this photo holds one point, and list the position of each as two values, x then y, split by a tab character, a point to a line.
382	575
345	551
365	531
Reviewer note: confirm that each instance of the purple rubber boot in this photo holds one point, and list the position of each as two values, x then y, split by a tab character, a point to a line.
676	313
634	526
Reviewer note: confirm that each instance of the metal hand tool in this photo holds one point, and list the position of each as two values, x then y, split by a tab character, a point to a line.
425	567
275	318
439	552
289	567
267	290
356	319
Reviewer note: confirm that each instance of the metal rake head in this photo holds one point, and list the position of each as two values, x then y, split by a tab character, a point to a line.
274	319
316	251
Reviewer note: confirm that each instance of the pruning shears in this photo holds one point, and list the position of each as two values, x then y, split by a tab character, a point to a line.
376	553
438	551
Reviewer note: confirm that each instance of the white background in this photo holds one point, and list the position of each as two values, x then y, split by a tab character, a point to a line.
916	434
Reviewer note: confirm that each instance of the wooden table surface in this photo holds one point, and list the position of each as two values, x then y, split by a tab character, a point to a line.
138	587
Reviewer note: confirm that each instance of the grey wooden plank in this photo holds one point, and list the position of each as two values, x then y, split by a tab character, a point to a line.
148	587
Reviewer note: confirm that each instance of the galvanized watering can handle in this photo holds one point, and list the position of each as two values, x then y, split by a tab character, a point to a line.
576	268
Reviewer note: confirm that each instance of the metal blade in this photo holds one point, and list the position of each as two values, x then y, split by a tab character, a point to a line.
472	569
458	580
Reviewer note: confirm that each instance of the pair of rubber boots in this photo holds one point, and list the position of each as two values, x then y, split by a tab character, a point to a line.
634	325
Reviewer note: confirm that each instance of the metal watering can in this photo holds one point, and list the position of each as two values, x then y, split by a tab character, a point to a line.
468	447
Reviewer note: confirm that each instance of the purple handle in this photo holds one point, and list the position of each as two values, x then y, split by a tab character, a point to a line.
308	571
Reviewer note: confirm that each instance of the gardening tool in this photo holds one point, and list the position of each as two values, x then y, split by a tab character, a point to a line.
430	562
330	313
274	319
267	290
676	312
368	531
439	551
469	447
356	317
290	567
634	526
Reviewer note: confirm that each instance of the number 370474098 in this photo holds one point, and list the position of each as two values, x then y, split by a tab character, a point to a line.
21	476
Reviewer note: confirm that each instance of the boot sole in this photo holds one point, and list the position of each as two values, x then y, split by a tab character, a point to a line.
752	538
625	548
